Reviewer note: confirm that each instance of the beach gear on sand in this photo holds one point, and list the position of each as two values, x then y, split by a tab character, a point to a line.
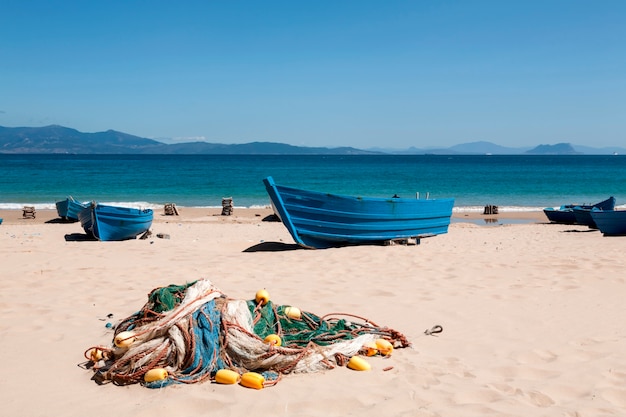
192	333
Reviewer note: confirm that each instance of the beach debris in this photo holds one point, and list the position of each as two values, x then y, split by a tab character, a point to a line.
145	235
227	206
170	209
193	333
410	241
163	236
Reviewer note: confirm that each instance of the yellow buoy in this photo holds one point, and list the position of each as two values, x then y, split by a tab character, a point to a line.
370	349
124	339
227	376
252	380
384	347
262	297
358	364
156	374
293	313
273	339
95	354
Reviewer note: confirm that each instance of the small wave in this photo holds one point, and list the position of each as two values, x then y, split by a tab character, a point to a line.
501	209
19	206
129	204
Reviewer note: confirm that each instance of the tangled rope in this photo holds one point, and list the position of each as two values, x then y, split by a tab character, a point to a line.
191	331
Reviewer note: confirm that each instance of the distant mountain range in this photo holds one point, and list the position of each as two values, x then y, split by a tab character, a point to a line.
56	139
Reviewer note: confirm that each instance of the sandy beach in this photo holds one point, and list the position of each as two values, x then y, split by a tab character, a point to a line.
531	315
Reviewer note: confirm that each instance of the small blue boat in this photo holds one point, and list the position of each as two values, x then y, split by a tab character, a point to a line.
583	213
69	208
111	223
565	214
610	222
583	217
320	220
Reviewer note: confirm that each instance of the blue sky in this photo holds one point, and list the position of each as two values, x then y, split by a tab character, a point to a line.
362	73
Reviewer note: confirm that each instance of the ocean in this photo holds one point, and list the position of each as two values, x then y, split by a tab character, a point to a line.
512	182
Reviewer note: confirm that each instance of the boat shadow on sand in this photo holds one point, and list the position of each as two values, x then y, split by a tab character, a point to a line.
59	220
273	247
580	231
79	237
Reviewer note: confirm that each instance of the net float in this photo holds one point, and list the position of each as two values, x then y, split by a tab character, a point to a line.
252	380
262	297
273	339
357	363
293	313
384	347
227	376
124	339
156	374
370	349
95	354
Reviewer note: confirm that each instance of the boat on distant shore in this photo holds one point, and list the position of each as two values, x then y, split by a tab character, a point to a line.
565	214
321	220
610	222
69	208
111	223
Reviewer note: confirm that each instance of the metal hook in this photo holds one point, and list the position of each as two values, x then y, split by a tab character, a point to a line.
434	330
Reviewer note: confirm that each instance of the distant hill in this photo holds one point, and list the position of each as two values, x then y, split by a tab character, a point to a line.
486	148
59	139
253	148
62	140
558	149
56	139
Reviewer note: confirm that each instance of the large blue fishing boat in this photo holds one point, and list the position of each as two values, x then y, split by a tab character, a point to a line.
321	220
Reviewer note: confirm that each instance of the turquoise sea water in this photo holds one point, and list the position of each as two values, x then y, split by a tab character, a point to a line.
512	182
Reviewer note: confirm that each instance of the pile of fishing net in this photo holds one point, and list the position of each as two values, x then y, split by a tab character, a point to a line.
193	332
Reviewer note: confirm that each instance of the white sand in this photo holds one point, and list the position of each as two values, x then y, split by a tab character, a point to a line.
533	317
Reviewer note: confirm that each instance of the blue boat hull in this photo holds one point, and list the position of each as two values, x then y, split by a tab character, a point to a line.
567	214
321	220
611	222
583	217
561	215
110	223
69	208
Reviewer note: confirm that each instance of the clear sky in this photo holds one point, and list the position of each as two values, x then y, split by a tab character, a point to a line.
359	73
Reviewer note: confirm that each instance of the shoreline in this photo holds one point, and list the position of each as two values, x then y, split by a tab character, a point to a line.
195	214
